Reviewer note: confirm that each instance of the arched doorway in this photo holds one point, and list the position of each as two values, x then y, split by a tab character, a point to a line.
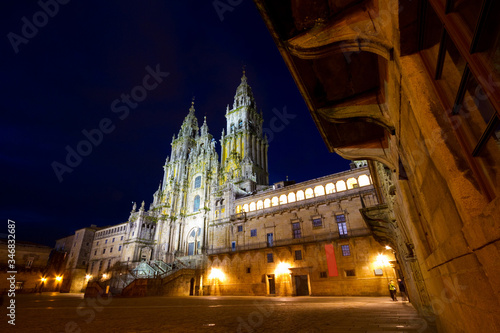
191	287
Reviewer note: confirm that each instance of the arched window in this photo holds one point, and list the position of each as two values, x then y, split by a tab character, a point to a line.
352	183
330	188
340	185
238	209
193	241
260	204
275	201
267	203
252	206
291	197
196	206
319	190
197	182
300	195
309	193
283	199
245	208
364	180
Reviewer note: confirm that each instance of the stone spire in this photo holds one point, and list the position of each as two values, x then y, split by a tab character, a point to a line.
190	125
204	127
244	95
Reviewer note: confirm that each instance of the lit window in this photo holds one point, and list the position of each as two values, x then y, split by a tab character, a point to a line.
283	199
352	183
253	233
245	208
345	250
317	223
319	190
364	180
340	186
260	204
275	201
238	209
300	195
298	255
196	206
252	206
270	257
197	182
341	223
267	203
330	188
291	197
309	193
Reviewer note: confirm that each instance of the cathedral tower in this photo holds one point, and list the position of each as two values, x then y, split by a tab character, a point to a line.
244	149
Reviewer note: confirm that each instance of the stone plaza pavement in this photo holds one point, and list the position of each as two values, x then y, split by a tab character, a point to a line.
53	312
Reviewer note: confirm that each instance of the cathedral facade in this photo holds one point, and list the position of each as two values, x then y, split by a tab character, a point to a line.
216	226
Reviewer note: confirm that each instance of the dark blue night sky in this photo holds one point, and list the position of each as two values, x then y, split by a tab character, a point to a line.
68	72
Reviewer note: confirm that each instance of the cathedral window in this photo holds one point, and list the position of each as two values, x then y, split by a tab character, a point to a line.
252	206
260	204
245	208
267	203
309	193
240	228
291	197
330	188
317	223
296	230
300	195
340	186
197	182
238	209
363	180
275	201
196	206
192	242
253	233
352	183
319	190
283	199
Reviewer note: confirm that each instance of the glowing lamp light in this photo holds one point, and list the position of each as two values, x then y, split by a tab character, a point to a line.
217	274
105	276
44	279
282	268
58	278
88	277
387	247
382	260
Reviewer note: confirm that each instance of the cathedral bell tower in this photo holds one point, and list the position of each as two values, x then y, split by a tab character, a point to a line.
244	150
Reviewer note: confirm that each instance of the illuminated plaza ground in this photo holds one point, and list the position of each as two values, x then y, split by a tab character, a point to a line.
71	313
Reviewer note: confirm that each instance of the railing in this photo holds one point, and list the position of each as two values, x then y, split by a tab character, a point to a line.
289	241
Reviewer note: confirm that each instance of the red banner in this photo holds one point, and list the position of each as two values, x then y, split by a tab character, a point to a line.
330	260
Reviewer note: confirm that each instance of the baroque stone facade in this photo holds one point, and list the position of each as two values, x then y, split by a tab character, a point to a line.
216	226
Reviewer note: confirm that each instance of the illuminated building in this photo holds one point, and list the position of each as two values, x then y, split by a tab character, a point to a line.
216	227
413	87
